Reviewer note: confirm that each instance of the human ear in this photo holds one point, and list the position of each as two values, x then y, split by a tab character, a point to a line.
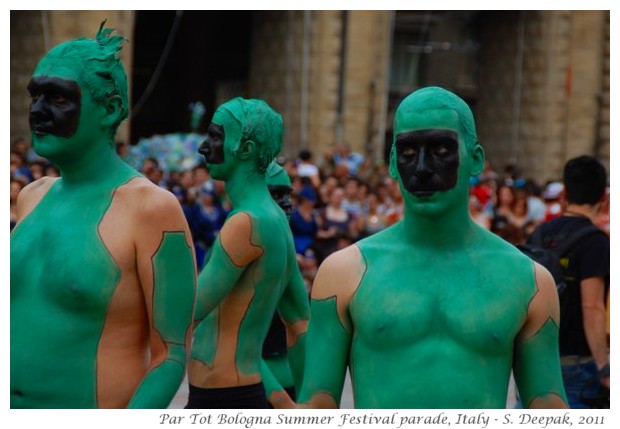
477	160
245	149
113	108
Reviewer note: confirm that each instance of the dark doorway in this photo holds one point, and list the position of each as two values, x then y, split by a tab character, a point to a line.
197	52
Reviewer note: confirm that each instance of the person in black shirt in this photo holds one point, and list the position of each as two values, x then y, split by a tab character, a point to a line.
583	336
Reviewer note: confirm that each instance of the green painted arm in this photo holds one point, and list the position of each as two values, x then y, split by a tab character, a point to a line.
270	381
294	310
173	303
326	364
215	281
537	366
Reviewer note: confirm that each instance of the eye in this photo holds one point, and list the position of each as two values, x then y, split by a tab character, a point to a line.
441	150
59	99
408	151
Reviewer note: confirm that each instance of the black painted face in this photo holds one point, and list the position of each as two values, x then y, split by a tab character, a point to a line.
428	161
213	146
281	194
55	106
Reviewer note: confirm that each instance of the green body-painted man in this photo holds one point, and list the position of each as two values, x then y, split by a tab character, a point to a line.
277	375
435	311
251	269
102	267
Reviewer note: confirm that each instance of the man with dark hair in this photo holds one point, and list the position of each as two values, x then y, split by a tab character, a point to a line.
252	267
102	269
583	335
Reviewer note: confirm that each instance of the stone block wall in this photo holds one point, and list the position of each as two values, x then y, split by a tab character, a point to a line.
542	76
296	64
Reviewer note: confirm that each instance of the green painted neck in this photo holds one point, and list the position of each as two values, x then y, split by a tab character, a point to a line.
98	165
247	185
441	230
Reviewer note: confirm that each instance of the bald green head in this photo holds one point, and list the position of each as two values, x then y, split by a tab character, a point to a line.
436	108
435	150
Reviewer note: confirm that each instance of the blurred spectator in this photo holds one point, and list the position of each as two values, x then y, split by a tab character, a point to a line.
396	208
343	155
205	217
52	171
485	191
341	173
25	149
326	190
502	226
336	226
351	202
16	186
478	214
304	220
553	194
202	179
535	205
307	168
148	165
37	169
489	174
519	216
372	218
19	169
183	184
504	201
157	177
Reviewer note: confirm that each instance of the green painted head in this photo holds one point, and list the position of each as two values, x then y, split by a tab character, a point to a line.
242	130
79	93
435	150
279	184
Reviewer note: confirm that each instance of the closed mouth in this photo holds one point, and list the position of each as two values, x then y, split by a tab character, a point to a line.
422	194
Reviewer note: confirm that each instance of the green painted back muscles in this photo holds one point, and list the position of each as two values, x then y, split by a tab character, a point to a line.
172	318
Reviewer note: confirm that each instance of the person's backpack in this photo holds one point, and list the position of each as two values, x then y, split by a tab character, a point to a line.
551	253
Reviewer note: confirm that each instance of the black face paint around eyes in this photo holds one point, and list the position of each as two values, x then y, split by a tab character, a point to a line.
213	147
427	161
55	106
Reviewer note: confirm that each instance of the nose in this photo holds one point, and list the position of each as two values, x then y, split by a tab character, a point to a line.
205	149
421	167
287	201
37	107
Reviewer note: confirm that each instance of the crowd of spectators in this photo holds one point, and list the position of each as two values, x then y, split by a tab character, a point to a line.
339	198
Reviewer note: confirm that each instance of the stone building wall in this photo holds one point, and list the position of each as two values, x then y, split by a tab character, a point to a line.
27	47
366	81
603	148
296	64
294	67
542	108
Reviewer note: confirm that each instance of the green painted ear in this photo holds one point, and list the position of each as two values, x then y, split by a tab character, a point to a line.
114	111
246	149
477	160
393	169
